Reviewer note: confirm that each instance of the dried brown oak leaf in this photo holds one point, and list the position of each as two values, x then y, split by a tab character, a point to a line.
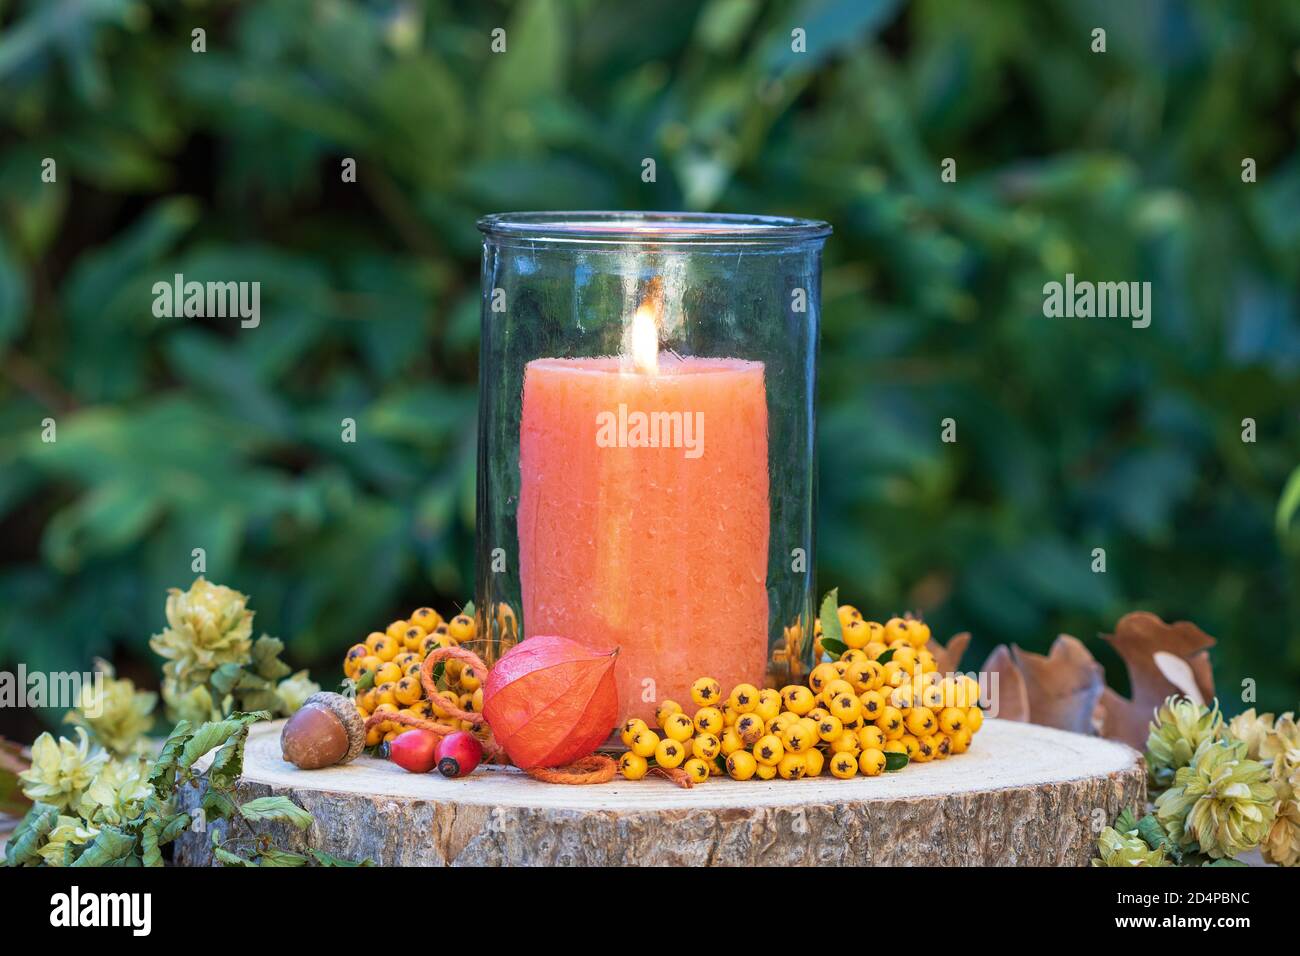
1061	689
1162	659
14	759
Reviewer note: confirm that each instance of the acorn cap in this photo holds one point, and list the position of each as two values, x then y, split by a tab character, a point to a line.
346	710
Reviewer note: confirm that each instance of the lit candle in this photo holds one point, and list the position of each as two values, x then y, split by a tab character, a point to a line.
643	513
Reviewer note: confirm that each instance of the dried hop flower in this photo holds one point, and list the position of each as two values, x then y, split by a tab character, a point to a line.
294	692
1127	849
61	771
1180	727
1251	730
117	793
114	711
1221	802
1281	749
68	832
207	626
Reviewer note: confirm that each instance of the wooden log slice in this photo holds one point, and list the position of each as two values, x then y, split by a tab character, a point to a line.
1023	795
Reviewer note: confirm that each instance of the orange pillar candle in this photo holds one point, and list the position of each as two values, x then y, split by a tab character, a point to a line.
643	517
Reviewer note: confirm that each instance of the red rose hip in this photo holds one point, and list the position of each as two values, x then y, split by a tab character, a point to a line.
458	754
415	751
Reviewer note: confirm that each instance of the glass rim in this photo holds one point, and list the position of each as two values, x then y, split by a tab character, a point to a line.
623	227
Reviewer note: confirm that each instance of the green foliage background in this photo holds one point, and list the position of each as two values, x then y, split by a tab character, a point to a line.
1072	434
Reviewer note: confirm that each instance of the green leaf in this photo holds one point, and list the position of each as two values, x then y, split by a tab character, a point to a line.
886	656
277	809
173	827
271	856
1127	821
833	647
1288	504
830	618
225	678
163	777
895	761
26	841
328	859
228	764
1153	834
215	733
1227	861
266	658
468	609
227	858
110	847
150	854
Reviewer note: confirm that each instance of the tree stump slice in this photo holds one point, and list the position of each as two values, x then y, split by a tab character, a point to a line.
1023	795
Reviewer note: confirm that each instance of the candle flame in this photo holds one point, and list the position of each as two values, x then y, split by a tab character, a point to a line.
645	339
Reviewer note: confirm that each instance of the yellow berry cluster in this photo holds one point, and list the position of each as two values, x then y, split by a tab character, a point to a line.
880	705
386	670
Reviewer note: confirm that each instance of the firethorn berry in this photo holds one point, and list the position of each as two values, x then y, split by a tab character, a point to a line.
670	753
386	648
841	667
792	766
816	715
872	704
870	737
845	743
918	632
910	744
872	762
932	697
891	722
928	664
769	750
769	703
372	638
875	649
836	687
974	719
631	727
765	771
352	660
744	698
902	698
894	747
665	710
798	699
814	761
421	708
697	769
633	766
741	765
844	765
386	696
942	746
394	630
706	746
679	727
428	644
374	737
731	742
470	678
706	692
854	655
408	690
405	659
952	719
821	675
893	675
972	687
461	628
961	741
924	749
749	727
829	728
856	634
847	613
412	636
780	722
895	630
465	701
644	743
796	739
847	708
426	617
905	656
709	720
388	673
921	722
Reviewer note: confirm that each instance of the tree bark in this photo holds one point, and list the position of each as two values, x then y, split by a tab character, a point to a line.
1023	795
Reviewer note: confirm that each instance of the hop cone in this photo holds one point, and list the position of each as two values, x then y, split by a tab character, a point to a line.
61	771
1252	730
114	711
207	626
1281	747
1127	849
1221	802
1180	727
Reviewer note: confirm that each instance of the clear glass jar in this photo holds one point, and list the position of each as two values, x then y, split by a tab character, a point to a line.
646	435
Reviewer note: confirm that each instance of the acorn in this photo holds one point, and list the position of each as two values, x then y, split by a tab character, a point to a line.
326	730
